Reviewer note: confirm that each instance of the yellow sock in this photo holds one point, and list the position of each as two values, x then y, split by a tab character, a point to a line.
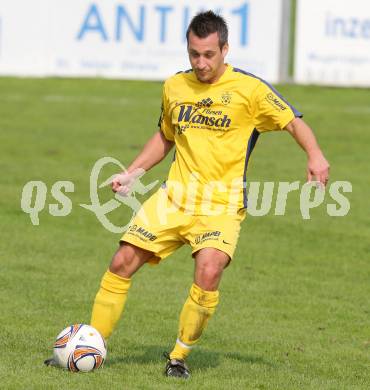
109	303
194	317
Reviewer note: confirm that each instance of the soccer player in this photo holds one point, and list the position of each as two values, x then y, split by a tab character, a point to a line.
212	114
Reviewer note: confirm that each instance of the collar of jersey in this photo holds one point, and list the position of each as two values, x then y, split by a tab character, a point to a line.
223	76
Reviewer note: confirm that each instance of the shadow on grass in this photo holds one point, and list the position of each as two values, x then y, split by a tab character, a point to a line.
200	358
248	358
139	354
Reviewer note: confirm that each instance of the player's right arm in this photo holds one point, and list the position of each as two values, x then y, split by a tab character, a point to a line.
154	151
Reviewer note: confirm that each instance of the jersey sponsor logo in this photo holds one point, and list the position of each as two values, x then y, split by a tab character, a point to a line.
207	102
206	118
275	102
214	235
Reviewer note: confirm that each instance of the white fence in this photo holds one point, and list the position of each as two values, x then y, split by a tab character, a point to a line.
333	42
145	39
141	39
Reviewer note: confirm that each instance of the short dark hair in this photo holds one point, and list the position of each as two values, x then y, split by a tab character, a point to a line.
206	23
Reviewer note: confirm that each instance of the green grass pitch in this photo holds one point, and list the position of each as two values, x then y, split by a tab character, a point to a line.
294	310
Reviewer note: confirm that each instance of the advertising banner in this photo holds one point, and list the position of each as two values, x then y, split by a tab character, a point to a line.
130	39
333	42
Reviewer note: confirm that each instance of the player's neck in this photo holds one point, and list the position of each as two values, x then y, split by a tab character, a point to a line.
218	75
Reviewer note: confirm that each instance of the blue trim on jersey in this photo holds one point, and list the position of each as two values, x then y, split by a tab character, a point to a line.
184	71
251	144
164	184
296	113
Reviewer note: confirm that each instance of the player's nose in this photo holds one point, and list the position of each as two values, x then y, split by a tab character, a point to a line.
201	64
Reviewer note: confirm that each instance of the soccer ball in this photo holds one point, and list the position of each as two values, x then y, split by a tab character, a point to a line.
79	347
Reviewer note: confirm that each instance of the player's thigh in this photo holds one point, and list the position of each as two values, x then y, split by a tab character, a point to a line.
152	231
128	259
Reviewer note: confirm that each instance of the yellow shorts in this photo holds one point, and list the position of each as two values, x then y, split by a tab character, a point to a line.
162	230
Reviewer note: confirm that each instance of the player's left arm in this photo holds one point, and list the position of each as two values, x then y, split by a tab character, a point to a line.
317	165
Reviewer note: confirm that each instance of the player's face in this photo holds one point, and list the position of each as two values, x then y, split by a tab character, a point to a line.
206	57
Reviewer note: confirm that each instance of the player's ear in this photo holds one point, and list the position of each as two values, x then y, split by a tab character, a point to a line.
225	49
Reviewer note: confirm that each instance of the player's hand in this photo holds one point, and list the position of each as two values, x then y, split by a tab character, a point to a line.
318	168
124	181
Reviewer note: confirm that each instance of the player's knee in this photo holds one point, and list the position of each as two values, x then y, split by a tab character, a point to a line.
210	266
209	275
123	260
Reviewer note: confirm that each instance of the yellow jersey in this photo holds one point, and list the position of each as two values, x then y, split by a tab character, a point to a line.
215	128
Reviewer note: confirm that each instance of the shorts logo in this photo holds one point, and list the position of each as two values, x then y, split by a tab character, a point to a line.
140	232
275	102
207	236
226	98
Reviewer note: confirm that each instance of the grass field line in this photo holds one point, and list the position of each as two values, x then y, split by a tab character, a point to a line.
98	100
354	110
125	101
85	99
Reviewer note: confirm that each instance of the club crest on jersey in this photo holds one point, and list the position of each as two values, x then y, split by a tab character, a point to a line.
226	98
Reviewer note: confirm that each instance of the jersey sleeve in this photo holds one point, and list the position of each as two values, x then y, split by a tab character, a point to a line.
164	122
272	111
